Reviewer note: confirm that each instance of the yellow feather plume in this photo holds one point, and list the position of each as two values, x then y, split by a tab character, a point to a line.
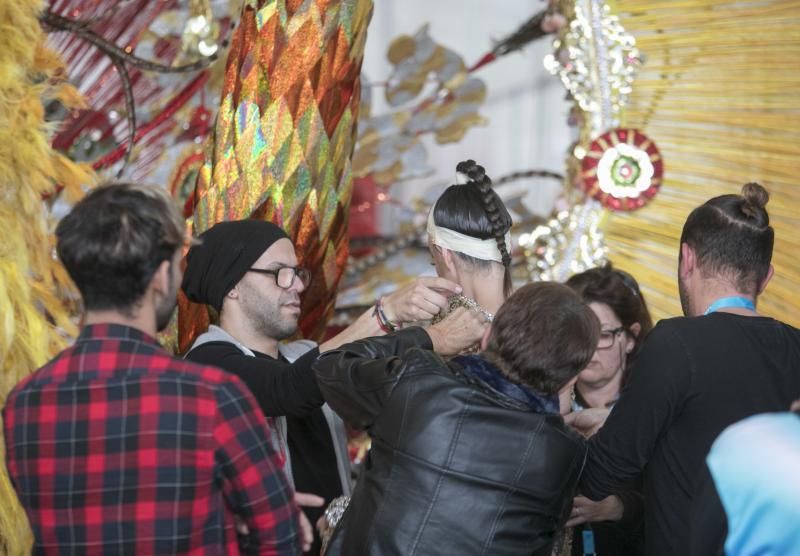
35	322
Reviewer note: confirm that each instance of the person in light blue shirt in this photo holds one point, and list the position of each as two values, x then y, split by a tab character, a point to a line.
755	465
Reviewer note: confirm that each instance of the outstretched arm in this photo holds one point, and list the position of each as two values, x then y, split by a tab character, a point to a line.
419	300
357	378
654	397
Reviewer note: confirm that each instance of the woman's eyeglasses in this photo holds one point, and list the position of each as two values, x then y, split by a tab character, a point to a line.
285	275
608	337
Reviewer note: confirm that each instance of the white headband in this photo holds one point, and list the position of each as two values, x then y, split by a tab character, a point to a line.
483	249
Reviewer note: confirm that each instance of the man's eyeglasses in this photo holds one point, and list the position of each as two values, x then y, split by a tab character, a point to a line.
608	337
284	276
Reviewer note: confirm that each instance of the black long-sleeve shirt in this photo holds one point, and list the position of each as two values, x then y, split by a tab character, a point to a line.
694	377
281	388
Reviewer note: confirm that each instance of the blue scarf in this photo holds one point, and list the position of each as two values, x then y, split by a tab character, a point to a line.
477	367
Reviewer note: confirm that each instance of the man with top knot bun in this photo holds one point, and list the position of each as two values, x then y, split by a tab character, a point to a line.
698	374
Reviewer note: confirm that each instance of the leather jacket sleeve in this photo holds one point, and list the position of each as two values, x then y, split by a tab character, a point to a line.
357	378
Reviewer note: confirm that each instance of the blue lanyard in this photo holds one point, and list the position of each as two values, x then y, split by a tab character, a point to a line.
588	541
727	302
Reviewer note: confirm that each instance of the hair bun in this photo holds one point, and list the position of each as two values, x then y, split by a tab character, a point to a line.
465	166
474	171
755	198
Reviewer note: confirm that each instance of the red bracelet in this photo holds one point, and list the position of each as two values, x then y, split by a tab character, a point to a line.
383	322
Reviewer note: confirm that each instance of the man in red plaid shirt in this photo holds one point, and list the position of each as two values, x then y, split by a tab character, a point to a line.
117	447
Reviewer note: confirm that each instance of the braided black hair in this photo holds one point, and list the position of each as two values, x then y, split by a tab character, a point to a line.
474	209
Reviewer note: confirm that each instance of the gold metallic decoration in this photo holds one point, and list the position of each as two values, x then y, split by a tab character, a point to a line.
570	242
284	135
200	37
597	60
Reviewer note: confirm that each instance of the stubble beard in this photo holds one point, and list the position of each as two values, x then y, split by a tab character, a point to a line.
266	318
164	310
683	293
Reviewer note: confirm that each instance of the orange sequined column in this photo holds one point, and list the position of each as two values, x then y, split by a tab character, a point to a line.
285	133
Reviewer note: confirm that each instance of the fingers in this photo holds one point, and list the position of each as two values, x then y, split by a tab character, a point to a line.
459	330
306	533
588	421
795	406
469	319
322	524
419	300
585	510
425	303
578	515
572	418
438	283
308	500
573	521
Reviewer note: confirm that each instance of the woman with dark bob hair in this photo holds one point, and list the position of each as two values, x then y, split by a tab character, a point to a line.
615	298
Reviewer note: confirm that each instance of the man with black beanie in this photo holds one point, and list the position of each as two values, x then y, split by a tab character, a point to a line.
247	271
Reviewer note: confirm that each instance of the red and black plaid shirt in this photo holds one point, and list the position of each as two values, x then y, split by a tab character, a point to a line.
117	447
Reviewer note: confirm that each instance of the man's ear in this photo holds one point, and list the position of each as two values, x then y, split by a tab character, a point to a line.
688	261
161	282
763	285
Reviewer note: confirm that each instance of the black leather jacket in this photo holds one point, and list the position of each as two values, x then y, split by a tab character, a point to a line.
455	467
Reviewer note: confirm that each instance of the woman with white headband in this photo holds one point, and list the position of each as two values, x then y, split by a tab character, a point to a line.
469	239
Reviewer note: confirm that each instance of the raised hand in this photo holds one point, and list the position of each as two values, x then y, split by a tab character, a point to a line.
421	299
458	331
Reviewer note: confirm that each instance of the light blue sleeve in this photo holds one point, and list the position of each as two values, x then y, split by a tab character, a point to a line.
755	465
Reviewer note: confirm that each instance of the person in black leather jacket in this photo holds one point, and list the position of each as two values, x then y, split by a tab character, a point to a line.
469	456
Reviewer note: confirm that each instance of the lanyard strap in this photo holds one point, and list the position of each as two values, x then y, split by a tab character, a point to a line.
588	541
729	302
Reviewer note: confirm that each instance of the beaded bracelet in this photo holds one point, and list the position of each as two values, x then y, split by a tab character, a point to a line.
384	323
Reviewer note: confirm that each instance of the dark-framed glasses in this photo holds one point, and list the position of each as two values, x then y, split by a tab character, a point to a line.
285	275
608	337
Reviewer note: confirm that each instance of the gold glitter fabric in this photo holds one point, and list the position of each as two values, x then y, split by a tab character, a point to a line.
283	140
